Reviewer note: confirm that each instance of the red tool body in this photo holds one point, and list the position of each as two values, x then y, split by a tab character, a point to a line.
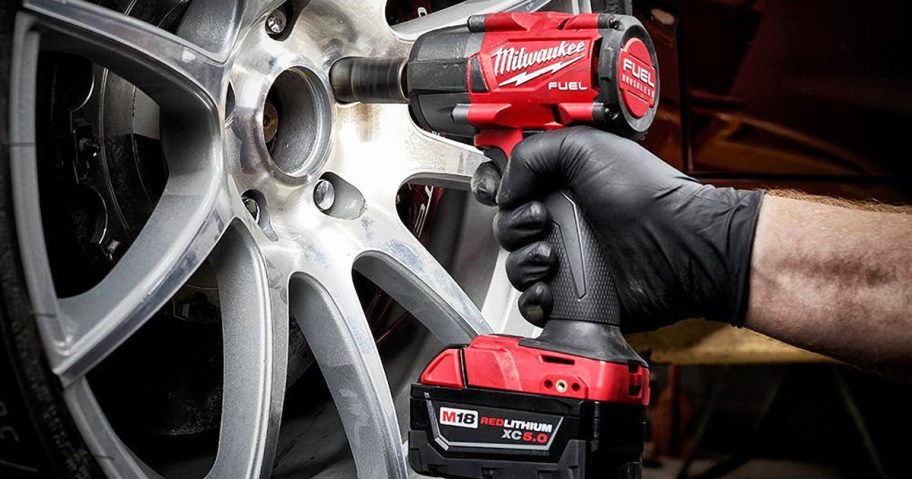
540	72
571	402
507	75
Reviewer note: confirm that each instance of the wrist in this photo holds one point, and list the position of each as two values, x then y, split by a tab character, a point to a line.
726	225
741	237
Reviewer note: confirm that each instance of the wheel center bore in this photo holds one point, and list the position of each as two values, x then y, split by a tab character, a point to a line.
283	112
296	121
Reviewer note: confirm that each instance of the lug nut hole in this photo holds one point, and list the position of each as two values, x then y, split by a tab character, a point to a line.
561	386
255	203
338	198
229	104
324	194
277	22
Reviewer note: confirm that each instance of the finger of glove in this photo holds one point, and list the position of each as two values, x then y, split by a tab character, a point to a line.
485	183
536	304
535	168
530	264
522	225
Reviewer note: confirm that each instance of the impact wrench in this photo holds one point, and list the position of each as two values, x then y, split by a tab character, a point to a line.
571	402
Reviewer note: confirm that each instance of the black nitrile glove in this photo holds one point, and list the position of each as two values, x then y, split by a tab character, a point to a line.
676	248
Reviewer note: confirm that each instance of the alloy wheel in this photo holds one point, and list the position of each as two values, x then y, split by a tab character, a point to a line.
283	219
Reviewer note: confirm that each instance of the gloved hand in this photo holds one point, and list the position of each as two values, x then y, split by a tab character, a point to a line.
676	248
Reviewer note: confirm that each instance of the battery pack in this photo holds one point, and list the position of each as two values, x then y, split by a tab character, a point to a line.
543	422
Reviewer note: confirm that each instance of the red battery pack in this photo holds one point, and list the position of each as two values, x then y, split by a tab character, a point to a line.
498	409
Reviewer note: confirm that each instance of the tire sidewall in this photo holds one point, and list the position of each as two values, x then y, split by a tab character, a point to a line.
38	437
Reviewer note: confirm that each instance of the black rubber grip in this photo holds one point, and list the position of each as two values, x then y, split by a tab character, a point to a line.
582	286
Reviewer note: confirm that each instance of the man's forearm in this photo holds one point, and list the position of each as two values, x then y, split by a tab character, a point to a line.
834	279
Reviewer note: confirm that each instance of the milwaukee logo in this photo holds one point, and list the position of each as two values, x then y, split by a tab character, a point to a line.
528	76
509	60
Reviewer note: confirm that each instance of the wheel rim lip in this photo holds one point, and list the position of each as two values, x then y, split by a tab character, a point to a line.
271	179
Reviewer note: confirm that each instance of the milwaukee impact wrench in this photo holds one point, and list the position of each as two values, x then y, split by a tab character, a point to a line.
571	402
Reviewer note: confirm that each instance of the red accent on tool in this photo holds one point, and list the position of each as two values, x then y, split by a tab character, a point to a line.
500	362
444	370
637	78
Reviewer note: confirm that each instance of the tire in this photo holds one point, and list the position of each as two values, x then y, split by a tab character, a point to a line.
37	436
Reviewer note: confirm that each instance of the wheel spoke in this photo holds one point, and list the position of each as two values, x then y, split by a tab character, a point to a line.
359	27
254	314
216	25
500	306
400	265
193	210
180	76
330	315
390	150
114	457
432	159
378	164
186	224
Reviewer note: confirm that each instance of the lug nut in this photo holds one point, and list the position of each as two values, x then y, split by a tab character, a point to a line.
324	195
561	386
252	207
276	22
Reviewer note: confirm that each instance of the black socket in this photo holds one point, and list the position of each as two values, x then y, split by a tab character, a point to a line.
369	80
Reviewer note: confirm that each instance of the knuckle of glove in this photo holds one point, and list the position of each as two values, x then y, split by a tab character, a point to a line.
530	264
485	183
536	304
520	226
